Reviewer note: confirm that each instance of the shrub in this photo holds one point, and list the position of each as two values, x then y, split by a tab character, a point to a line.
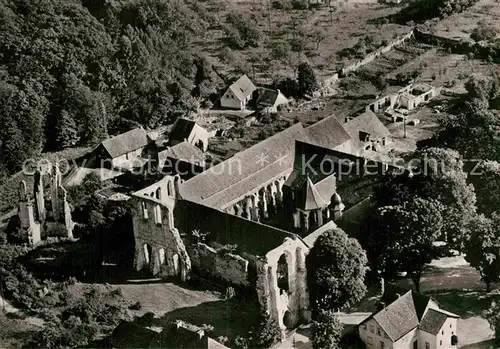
136	306
484	32
266	333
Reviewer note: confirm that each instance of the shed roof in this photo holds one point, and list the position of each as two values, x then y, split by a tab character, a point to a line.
126	142
243	87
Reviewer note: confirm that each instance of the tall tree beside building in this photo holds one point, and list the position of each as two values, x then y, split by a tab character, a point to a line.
336	268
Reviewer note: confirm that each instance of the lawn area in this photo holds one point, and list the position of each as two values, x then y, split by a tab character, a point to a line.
170	302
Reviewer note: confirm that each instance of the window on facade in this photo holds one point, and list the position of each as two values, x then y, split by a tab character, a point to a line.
157	214
369	340
440	342
364	327
144	210
282	274
454	340
381	345
378	332
372	329
427	345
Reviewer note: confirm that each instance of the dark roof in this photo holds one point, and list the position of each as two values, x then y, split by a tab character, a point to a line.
184	151
126	142
268	97
367	122
433	321
327	133
130	335
313	199
182	130
245	171
242	88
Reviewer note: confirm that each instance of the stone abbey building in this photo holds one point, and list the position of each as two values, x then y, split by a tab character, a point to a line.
251	220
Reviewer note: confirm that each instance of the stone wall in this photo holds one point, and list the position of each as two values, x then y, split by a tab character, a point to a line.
371	56
228	267
158	245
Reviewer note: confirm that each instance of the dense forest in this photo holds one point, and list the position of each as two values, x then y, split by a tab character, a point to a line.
74	71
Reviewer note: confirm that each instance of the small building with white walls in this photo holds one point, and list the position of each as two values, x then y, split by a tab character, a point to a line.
411	321
238	94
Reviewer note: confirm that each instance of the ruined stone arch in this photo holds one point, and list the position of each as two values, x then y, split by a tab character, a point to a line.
288	319
284	272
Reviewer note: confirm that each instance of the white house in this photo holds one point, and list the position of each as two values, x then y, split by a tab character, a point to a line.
238	94
412	321
269	100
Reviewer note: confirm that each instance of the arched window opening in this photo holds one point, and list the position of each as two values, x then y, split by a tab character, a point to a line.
158	193
175	258
454	340
147	254
162	256
157	214
288	319
282	274
144	208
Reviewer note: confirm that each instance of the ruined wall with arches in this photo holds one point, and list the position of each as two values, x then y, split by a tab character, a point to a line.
281	283
159	248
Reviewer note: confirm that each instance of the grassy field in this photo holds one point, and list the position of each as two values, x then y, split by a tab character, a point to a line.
460	25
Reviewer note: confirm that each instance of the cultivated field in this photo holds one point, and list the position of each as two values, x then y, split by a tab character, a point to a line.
342	28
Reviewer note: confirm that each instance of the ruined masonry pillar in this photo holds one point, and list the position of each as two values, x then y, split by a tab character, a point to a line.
39	197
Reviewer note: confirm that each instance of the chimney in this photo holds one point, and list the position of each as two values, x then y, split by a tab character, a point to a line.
179	324
200	334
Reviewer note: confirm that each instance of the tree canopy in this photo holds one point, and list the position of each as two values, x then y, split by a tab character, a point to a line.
72	71
482	250
327	331
401	237
336	268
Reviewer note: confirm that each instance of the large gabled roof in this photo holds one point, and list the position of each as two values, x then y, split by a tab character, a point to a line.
367	122
242	88
126	142
313	199
245	171
399	317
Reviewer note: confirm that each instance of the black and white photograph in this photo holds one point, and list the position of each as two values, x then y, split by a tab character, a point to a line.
250	174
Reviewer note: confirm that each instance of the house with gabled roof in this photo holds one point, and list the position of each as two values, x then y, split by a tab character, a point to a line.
185	130
123	150
410	321
367	129
238	94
